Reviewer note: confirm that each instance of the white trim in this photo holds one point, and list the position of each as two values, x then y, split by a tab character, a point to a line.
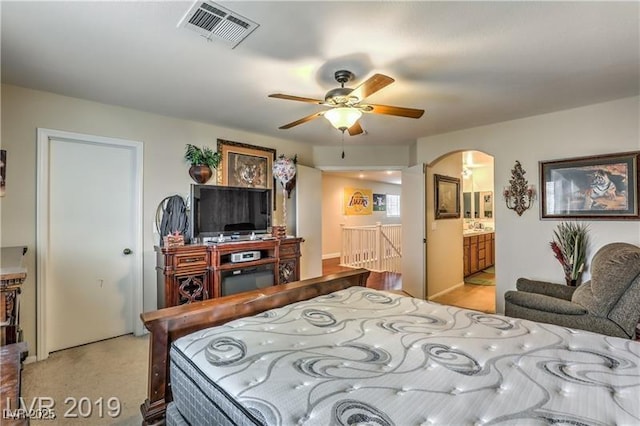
450	289
330	256
42	227
30	359
42	239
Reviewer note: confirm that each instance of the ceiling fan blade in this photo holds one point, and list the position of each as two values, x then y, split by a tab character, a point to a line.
393	110
371	86
302	120
296	98
356	129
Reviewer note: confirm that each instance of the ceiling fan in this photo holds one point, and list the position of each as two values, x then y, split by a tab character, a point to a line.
347	104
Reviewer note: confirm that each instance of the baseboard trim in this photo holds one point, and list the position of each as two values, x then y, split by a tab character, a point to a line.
443	292
330	256
30	359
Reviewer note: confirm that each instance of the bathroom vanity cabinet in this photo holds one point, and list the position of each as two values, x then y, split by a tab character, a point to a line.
479	252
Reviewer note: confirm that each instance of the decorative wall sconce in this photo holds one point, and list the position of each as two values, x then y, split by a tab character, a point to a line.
519	194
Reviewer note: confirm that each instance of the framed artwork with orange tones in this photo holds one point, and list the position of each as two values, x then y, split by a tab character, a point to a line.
594	187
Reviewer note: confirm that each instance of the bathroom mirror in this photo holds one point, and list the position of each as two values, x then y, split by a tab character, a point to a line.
486	204
467	207
478	207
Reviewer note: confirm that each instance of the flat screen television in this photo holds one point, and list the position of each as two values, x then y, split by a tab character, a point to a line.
229	210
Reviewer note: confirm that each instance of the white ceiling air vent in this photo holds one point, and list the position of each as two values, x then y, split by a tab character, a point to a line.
213	21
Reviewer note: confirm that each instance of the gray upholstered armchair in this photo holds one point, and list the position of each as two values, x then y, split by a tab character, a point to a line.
608	304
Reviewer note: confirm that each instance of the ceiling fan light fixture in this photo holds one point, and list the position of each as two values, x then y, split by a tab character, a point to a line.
343	118
345	104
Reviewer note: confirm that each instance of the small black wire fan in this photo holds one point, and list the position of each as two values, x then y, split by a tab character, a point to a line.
172	217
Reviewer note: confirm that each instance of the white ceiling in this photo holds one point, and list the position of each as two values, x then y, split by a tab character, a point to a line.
465	63
476	159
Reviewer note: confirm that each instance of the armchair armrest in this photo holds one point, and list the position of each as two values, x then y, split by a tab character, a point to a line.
559	291
543	303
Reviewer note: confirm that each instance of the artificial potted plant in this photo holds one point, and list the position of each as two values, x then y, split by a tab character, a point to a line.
203	161
569	246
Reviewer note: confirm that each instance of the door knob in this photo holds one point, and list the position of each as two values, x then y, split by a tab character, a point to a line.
127	251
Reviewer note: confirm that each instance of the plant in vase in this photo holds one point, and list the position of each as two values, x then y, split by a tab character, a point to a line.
203	161
569	246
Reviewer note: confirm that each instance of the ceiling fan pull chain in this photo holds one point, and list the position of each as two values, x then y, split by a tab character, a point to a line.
343	144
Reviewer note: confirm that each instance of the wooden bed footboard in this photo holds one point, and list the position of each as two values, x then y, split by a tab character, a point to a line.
169	324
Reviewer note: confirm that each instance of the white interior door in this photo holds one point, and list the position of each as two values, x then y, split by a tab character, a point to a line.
412	211
90	282
309	220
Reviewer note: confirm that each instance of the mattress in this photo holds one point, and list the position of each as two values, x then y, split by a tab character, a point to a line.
361	356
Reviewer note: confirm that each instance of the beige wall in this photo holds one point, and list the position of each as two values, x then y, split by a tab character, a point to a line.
333	210
522	242
482	179
165	172
444	236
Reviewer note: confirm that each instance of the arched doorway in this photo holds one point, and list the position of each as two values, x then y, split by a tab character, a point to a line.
461	250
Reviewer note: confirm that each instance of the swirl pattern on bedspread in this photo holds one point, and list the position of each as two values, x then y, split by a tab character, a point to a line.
360	356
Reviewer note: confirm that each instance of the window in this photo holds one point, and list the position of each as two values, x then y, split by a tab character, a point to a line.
393	205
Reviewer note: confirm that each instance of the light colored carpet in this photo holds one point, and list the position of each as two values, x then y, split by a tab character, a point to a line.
111	368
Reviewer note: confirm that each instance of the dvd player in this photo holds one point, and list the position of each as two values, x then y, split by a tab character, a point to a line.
245	256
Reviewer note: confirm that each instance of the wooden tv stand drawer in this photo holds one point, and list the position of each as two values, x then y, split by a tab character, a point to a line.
196	258
289	249
192	273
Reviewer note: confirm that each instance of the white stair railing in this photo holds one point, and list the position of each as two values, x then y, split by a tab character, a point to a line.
376	247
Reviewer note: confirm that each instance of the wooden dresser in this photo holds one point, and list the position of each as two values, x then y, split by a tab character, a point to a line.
197	272
11	357
12	276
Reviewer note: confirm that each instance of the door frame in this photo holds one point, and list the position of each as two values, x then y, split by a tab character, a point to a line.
44	137
308	216
409	241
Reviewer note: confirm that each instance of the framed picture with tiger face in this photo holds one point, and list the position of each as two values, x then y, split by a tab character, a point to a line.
597	187
247	166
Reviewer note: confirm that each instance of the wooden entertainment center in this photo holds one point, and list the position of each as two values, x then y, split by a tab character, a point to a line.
195	272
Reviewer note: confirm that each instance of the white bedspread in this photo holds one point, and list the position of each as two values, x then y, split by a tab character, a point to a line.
361	356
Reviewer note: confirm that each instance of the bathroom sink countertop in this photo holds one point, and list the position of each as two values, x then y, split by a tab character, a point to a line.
468	232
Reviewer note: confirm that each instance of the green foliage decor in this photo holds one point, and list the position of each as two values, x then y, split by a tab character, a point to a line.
202	156
569	246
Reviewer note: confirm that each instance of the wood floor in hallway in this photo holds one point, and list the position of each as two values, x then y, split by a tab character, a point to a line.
477	297
377	280
470	296
473	296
